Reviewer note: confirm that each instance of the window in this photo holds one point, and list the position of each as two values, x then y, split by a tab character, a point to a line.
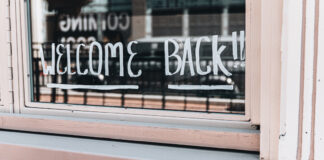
155	62
112	54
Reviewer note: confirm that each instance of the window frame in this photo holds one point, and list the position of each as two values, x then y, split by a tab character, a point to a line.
23	105
6	89
250	90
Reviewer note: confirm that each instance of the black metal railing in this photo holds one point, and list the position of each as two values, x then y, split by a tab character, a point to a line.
152	81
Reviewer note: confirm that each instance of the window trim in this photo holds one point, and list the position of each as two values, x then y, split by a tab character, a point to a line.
159	133
87	148
6	98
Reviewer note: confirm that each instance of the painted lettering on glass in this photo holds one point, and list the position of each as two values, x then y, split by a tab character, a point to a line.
182	54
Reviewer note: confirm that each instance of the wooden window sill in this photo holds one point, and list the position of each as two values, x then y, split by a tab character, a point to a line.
22	145
218	134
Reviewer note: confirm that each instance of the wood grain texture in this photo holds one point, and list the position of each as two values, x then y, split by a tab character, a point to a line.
253	60
271	27
205	138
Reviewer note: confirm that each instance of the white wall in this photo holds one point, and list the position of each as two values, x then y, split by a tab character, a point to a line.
302	87
290	81
319	110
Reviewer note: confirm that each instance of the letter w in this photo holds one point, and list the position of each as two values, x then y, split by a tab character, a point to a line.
47	69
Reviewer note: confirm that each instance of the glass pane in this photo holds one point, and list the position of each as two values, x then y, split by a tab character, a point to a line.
184	55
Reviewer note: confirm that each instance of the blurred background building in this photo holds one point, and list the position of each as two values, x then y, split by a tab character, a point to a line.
150	22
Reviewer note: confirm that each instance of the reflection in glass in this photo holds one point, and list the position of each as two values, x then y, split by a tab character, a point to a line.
150	23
